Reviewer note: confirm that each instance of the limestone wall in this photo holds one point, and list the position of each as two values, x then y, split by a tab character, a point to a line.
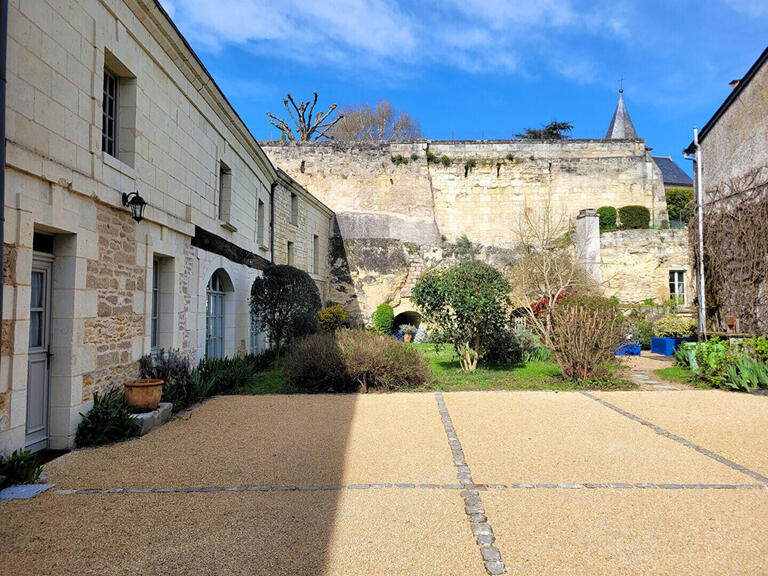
738	142
635	264
482	189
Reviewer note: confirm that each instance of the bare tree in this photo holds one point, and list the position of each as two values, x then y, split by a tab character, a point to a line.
363	123
308	128
548	267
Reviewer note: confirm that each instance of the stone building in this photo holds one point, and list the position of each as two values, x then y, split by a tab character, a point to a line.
734	165
106	99
400	208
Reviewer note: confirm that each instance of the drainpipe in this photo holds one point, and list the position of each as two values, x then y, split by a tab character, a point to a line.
700	216
272	222
4	52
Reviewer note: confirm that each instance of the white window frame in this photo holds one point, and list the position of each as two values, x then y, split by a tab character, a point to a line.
214	318
677	278
155	313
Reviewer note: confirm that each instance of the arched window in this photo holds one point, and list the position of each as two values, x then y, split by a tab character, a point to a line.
214	316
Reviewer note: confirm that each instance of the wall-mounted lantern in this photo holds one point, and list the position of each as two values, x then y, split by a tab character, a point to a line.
136	203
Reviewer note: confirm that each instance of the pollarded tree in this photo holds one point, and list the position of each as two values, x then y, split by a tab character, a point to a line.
308	126
467	303
285	302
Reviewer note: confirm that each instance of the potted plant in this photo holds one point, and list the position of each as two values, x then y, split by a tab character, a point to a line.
143	395
670	331
408	331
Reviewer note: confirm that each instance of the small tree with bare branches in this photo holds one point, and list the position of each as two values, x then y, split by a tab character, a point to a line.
308	127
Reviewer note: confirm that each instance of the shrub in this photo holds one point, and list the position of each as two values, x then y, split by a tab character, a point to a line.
745	374
331	318
180	386
678	203
586	330
414	156
466	303
445	160
230	375
398	159
634	217
607	215
350	360
643	332
510	157
431	156
674	326
383	318
110	420
21	467
285	301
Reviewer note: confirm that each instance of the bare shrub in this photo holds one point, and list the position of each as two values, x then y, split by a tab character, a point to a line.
585	333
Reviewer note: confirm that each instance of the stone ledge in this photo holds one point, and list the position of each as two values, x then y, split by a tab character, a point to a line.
151	420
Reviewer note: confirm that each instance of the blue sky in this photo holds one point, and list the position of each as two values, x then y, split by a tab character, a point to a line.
470	69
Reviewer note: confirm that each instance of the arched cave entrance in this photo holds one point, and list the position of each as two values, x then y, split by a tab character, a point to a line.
410	317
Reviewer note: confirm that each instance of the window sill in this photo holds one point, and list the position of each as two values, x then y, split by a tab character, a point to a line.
263	246
118	165
227	225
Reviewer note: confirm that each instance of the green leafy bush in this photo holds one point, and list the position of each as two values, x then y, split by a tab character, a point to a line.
586	330
674	326
350	360
678	203
285	302
634	217
110	420
414	156
607	215
445	160
467	303
331	318
431	156
398	159
21	467
383	318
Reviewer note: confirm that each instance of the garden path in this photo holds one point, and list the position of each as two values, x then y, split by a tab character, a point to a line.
642	371
572	483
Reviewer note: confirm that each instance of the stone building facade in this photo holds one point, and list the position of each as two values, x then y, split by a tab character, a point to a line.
87	289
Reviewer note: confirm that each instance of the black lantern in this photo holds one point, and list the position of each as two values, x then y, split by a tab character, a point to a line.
136	203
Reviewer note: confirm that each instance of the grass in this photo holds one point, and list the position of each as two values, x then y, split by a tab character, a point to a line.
680	374
448	376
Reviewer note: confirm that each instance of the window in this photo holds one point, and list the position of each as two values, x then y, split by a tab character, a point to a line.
109	114
290	254
225	192
154	321
294	209
255	332
260	215
214	318
677	286
315	254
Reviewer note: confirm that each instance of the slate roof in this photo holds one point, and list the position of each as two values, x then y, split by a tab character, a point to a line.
672	173
621	125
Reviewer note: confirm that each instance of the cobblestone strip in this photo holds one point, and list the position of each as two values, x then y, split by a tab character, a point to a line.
666	433
473	504
291	488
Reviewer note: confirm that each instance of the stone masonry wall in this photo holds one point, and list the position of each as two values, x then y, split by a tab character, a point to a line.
116	278
636	263
482	189
10	252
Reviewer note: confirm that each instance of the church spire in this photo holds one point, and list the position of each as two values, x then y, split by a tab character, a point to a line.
621	125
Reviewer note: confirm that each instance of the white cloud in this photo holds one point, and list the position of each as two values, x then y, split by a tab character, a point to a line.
755	8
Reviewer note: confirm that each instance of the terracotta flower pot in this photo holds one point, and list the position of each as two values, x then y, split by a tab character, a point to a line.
143	395
407	337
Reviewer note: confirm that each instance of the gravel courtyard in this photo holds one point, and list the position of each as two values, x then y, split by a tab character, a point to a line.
646	482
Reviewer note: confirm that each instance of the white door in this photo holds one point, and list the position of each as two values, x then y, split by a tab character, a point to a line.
39	342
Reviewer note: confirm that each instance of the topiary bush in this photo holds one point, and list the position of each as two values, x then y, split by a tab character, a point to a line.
607	215
383	318
285	301
110	420
634	217
351	360
674	326
21	467
331	318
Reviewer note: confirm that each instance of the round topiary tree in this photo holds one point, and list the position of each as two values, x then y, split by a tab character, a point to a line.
635	217
607	215
285	301
383	318
468	303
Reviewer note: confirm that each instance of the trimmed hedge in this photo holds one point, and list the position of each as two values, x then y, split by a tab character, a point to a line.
679	204
383	318
634	217
607	216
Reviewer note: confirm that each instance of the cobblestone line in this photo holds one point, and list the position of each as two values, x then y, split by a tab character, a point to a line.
666	433
473	504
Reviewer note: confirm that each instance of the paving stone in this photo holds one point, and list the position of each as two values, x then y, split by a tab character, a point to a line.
485	539
478	529
494	568
23	491
490	554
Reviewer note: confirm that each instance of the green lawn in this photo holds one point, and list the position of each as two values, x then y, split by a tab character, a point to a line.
680	374
448	375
